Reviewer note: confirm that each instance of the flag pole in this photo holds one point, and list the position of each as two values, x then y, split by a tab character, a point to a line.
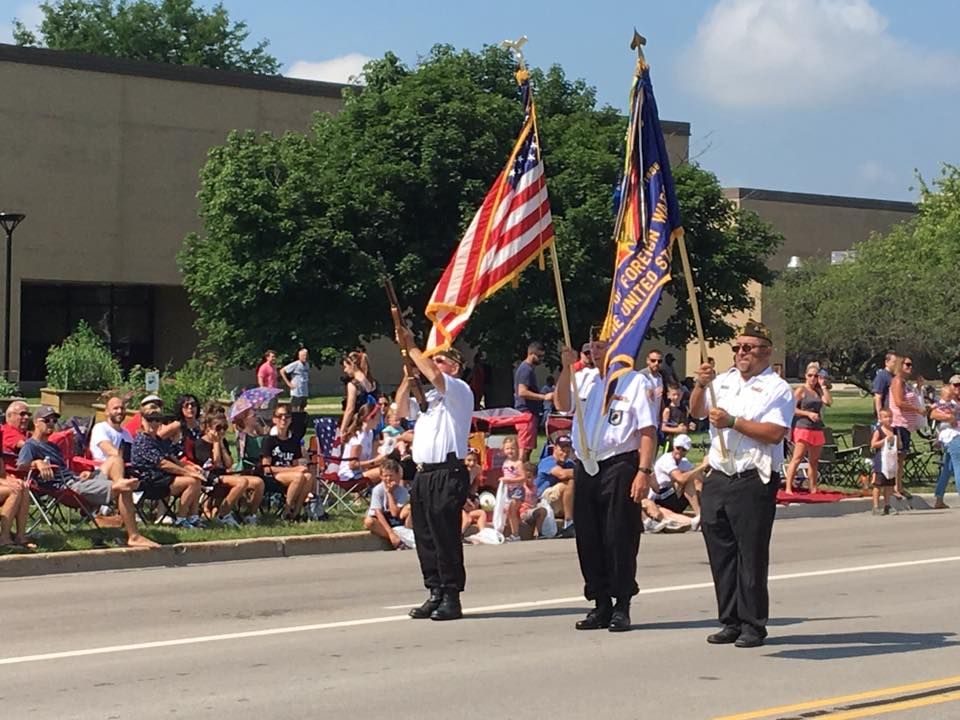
637	44
589	463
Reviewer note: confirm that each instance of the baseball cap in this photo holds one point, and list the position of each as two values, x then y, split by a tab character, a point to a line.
151	399
564	441
585	347
683	441
955	380
45	412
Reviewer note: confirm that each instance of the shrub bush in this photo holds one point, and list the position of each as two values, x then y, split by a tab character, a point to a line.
202	377
82	362
8	389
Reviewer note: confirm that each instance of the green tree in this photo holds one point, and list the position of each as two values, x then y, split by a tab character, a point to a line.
893	294
297	229
168	31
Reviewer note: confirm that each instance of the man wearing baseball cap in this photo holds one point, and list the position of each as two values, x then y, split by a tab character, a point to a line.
588	374
674	488
555	482
42	457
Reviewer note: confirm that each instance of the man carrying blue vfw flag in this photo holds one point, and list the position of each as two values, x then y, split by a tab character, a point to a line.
615	434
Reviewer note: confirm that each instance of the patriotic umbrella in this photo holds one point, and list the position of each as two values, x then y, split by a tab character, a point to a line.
252	399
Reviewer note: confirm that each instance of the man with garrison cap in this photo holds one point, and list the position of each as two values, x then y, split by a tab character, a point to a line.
752	411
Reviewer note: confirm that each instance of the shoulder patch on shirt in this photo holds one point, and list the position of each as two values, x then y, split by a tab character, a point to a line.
615	417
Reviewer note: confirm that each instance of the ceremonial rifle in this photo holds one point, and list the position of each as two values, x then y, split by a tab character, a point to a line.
415	388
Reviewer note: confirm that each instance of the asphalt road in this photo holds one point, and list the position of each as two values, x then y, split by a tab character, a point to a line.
865	624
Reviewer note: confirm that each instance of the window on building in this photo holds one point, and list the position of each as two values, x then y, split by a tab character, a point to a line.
121	314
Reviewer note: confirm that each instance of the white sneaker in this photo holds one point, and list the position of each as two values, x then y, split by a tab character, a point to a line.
513	538
695	523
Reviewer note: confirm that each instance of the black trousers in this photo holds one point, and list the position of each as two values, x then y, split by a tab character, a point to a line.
736	516
608	528
436	499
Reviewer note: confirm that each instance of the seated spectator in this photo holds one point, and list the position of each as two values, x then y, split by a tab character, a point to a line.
250	432
14	505
358	459
555	482
185	429
657	519
16	431
674	420
528	511
673	483
391	432
284	467
472	515
162	473
110	438
389	505
135	422
97	488
213	456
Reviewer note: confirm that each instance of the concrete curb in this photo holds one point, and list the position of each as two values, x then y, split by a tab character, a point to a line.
850	506
187	554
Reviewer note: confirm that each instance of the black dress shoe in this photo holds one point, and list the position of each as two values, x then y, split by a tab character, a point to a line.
724	637
620	620
748	641
596	619
432	603
449	608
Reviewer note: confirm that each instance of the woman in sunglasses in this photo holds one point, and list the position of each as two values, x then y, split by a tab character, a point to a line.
185	429
807	433
908	411
284	468
213	455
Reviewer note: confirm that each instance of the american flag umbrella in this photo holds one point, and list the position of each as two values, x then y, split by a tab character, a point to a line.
252	399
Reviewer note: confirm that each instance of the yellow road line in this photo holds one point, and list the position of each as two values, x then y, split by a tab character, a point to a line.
842	699
893	707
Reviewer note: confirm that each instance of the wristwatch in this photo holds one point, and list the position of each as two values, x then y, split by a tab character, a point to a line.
645	471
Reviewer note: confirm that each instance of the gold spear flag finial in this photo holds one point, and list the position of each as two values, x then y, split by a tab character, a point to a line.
637	44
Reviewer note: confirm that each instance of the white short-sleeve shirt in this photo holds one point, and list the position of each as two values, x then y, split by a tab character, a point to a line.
362	439
763	398
662	469
586	379
105	431
445	426
615	431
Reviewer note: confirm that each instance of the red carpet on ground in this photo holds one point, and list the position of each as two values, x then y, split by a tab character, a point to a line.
802	496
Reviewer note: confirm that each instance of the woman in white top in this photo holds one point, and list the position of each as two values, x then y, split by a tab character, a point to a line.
358	459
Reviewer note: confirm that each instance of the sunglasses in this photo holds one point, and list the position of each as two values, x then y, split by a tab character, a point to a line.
49	419
25	413
654	362
220	428
812	375
281	416
152	420
908	364
745	347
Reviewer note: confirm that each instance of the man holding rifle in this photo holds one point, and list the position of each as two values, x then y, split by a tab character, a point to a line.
442	481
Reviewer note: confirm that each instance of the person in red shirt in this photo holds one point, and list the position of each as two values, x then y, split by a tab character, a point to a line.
16	430
267	370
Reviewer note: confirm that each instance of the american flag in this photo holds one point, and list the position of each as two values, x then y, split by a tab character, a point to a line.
512	228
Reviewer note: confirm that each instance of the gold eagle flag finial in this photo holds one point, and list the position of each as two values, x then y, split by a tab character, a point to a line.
516	47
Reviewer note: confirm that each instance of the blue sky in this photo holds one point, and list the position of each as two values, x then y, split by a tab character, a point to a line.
843	97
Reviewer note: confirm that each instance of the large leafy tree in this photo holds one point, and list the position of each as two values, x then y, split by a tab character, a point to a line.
298	229
168	31
893	295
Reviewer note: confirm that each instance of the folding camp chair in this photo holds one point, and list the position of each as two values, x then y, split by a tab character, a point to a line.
324	457
53	504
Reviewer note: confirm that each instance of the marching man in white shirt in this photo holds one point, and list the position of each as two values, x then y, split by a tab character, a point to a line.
621	438
442	480
753	411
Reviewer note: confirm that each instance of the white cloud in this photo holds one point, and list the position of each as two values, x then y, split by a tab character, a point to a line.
802	53
875	173
343	69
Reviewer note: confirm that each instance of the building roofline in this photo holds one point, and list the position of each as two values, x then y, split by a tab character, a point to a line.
742	193
166	71
674	127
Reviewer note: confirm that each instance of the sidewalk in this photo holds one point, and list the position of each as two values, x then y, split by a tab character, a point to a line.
284	547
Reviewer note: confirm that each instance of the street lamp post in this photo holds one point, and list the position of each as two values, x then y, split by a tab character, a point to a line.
9	221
